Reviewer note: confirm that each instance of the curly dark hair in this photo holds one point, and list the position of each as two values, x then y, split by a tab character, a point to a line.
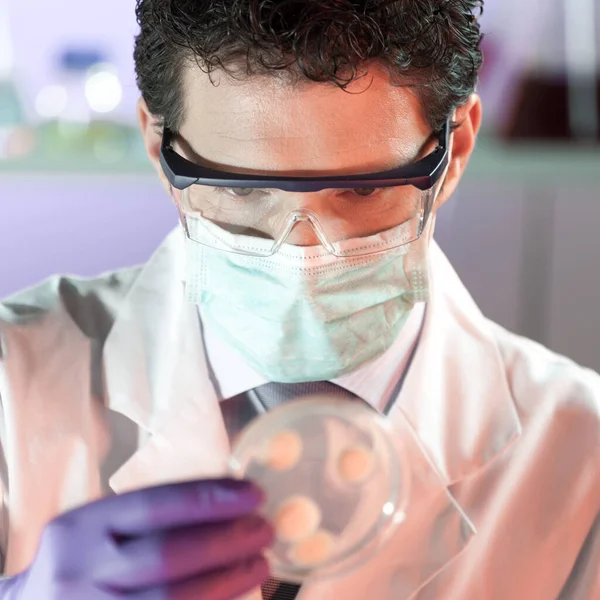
432	45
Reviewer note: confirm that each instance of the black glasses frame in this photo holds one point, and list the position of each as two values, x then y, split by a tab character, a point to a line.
423	174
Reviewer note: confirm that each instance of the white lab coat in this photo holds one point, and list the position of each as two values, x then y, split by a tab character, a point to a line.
104	388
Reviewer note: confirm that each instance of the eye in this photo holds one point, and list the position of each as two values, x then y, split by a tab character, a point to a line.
241	191
364	191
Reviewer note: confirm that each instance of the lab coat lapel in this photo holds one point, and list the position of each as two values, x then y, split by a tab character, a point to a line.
157	376
456	394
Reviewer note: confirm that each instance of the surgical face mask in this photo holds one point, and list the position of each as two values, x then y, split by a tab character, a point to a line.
303	314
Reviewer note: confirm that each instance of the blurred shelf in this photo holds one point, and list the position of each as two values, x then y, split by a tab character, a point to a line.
76	165
542	164
74	149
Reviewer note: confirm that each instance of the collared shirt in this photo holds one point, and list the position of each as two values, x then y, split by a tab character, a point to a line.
373	382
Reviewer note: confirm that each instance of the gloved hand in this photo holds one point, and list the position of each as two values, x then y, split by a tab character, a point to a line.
189	541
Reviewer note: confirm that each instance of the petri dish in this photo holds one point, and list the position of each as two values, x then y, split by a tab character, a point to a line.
335	480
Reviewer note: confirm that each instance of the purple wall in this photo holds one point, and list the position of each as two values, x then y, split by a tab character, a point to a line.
83	225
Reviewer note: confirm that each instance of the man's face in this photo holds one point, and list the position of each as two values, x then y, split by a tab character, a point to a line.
262	125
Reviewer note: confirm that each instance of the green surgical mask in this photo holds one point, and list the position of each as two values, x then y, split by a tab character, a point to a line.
303	314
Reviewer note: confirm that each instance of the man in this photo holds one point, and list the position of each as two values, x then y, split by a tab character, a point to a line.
308	147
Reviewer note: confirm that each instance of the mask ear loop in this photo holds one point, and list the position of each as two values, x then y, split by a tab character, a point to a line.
436	192
176	199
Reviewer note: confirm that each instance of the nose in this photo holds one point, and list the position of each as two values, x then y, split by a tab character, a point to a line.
303	233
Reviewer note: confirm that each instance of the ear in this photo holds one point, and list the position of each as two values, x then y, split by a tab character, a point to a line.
462	144
152	136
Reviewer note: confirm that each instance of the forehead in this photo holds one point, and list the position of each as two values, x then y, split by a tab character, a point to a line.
264	123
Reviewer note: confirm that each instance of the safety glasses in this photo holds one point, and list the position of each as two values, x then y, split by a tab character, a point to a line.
255	214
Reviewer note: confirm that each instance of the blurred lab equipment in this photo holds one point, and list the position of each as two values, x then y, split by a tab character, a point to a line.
557	92
11	110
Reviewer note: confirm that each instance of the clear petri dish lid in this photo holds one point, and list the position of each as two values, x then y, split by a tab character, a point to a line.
334	478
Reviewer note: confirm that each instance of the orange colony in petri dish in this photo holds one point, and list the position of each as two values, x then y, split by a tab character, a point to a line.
297	518
355	464
315	549
283	450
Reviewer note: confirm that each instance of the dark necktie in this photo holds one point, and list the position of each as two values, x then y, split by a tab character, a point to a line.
270	396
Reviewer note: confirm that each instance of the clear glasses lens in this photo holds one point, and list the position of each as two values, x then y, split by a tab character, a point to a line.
347	222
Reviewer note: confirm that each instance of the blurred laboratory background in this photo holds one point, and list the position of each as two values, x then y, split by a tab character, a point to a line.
77	194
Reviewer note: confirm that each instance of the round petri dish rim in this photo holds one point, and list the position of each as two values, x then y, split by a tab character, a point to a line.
398	471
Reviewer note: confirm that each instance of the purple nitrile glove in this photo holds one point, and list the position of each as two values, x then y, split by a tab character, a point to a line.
191	541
